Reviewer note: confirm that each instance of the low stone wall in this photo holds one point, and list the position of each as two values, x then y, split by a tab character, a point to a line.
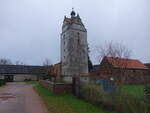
58	88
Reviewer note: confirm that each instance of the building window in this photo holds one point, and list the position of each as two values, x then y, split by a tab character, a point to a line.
64	42
78	34
64	57
64	50
78	37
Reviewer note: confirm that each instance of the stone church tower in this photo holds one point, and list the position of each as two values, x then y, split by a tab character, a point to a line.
74	47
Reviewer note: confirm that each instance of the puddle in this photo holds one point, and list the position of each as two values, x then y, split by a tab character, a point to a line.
6	96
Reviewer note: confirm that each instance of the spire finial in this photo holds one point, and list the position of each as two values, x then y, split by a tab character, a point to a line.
73	13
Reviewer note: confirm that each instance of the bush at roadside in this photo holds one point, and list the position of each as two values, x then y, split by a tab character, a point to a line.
94	94
147	92
2	82
125	103
120	102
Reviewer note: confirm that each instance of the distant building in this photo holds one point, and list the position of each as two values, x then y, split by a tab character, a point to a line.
57	71
148	65
74	47
94	73
21	73
131	71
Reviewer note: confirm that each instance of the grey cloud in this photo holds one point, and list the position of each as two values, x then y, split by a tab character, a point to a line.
30	29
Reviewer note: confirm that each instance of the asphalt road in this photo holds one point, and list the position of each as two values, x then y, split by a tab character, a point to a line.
20	98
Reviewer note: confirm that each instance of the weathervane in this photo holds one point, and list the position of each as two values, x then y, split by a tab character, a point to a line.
72	8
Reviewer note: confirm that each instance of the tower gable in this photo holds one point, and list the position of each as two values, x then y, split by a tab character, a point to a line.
73	23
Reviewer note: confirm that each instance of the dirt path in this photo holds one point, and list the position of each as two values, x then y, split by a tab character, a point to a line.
20	98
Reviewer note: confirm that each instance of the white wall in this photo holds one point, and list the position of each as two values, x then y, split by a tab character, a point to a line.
21	77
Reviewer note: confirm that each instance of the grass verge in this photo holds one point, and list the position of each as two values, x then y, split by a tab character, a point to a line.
2	83
65	103
135	90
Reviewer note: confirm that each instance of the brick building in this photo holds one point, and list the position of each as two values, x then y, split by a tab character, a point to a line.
95	72
129	71
148	65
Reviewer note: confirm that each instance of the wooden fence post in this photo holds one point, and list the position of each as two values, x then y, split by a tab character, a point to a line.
76	86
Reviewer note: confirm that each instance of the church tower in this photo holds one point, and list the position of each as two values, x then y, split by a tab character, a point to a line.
74	47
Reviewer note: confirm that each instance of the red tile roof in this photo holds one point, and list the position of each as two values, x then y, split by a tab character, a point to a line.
125	63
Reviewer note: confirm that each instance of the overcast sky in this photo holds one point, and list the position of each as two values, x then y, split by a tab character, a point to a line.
30	29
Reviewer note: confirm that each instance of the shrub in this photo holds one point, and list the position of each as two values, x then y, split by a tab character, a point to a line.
120	102
147	92
94	94
126	103
2	82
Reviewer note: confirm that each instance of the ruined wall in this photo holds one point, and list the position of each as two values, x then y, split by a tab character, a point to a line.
58	88
20	77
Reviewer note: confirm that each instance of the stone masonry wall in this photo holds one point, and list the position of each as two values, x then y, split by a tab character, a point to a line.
58	88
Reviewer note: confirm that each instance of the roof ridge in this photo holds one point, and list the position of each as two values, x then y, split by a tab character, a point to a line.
131	63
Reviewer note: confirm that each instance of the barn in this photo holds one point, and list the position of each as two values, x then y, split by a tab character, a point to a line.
129	71
15	73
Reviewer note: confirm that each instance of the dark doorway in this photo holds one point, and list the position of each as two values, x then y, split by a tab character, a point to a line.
9	78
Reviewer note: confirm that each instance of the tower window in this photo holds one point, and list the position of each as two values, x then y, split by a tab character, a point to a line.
64	42
78	37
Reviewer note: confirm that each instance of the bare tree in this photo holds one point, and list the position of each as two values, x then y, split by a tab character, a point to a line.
19	63
47	62
4	61
113	49
118	55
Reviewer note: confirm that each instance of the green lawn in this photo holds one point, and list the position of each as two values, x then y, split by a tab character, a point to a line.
2	83
136	90
65	103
